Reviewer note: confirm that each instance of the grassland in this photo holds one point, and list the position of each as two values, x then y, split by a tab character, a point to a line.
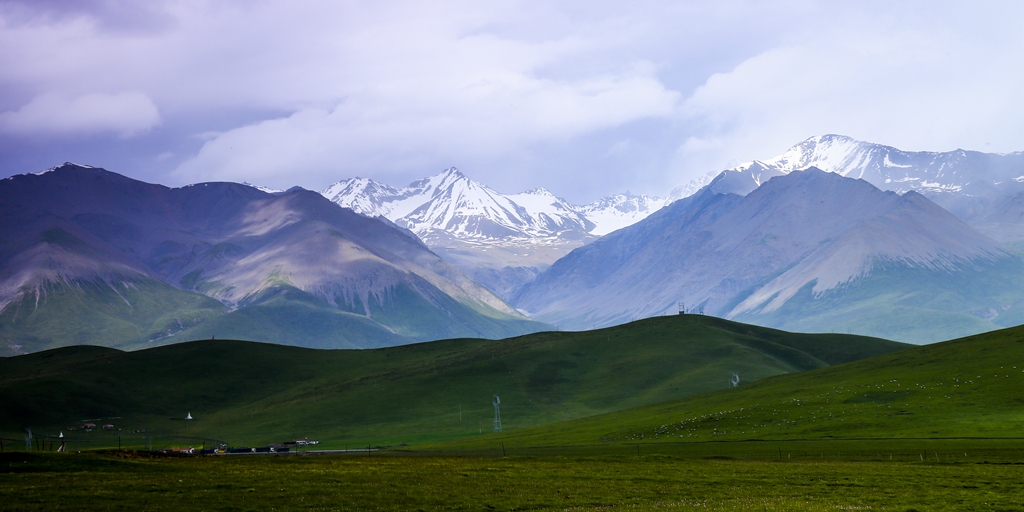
647	482
924	428
251	394
966	388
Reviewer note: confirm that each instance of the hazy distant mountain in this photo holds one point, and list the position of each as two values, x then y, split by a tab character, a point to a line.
501	240
984	189
808	251
90	256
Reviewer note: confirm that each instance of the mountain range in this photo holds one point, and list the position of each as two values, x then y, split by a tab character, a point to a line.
88	256
501	240
504	240
806	251
986	190
915	246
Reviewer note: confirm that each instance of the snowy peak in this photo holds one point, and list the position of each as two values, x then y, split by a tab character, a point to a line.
450	204
692	187
930	173
551	212
262	188
465	209
620	210
834	153
362	195
61	166
888	168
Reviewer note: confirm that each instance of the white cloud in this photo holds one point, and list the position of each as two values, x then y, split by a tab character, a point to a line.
518	93
126	114
465	113
915	89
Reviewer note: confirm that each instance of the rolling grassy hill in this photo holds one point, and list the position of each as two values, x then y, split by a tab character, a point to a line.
249	393
964	388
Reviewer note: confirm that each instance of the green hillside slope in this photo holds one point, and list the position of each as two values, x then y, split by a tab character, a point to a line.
121	314
970	387
248	393
915	305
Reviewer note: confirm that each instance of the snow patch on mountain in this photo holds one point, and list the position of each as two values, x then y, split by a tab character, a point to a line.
261	188
362	195
933	174
450	204
888	168
691	188
617	211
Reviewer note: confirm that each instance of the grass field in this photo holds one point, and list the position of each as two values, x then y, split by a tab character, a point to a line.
250	394
569	482
937	427
963	388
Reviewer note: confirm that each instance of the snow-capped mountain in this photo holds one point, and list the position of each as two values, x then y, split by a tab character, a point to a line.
806	251
692	187
502	240
926	172
450	204
984	189
620	210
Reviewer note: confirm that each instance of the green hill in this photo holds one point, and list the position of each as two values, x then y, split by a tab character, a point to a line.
964	388
135	312
249	393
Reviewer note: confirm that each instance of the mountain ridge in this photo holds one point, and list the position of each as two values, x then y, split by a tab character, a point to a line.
500	240
745	256
228	242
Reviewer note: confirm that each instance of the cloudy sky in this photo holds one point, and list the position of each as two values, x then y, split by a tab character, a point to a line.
584	98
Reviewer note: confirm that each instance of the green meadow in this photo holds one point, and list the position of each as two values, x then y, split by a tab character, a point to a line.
246	394
591	422
568	482
960	389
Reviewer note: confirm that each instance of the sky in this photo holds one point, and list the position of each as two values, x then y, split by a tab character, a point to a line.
584	98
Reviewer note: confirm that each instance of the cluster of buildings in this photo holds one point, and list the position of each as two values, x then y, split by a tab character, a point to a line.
89	427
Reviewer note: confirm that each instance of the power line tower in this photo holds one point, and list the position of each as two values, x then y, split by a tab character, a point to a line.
497	414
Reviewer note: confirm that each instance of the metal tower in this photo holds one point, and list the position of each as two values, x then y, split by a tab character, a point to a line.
497	414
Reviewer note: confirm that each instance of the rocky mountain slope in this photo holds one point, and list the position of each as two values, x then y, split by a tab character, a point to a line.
804	251
90	256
